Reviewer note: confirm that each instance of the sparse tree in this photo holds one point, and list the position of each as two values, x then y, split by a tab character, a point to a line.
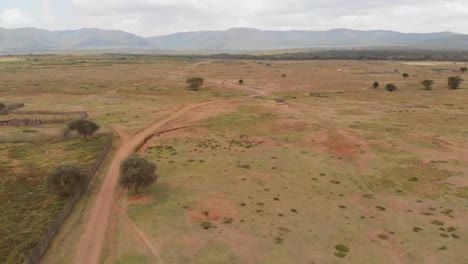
84	127
427	84
454	82
376	85
195	83
390	87
241	82
65	179
137	172
405	75
463	69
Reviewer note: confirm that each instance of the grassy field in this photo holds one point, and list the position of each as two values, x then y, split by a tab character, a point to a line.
301	164
26	205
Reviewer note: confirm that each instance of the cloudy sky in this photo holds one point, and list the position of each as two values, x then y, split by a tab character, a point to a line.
158	17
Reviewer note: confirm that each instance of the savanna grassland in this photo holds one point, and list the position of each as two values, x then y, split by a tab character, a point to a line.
303	163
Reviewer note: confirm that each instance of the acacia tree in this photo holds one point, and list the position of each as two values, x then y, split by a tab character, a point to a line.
390	87
454	82
376	85
137	172
463	69
65	179
84	127
427	84
195	83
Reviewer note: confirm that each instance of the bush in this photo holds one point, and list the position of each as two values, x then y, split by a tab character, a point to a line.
195	83
405	75
390	87
83	127
65	179
463	69
241	82
454	82
342	248
427	84
137	172
376	85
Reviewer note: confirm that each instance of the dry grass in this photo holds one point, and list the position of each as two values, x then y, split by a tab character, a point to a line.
297	173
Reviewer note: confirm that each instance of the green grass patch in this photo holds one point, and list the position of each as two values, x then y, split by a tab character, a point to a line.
26	206
133	258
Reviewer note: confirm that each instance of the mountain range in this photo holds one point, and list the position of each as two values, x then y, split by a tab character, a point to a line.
235	39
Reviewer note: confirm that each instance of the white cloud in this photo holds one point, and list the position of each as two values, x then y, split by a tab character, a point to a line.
14	17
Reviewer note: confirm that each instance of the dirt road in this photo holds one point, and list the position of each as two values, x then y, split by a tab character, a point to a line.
92	240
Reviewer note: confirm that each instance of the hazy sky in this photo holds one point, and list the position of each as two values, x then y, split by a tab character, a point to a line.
157	17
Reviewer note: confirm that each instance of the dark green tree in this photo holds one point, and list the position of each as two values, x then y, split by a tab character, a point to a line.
454	82
65	179
195	83
84	127
463	69
137	172
376	85
405	75
390	87
427	84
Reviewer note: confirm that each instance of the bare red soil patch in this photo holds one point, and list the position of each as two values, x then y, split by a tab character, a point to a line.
343	145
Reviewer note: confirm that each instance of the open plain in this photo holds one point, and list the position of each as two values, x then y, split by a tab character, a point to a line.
304	162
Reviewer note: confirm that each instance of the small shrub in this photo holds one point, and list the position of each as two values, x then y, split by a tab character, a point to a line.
391	87
382	236
417	229
413	179
427	84
340	254
206	225
381	208
437	223
241	82
279	240
376	85
342	248
228	220
451	229
405	75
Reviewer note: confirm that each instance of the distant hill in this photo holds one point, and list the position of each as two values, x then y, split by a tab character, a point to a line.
235	39
33	39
